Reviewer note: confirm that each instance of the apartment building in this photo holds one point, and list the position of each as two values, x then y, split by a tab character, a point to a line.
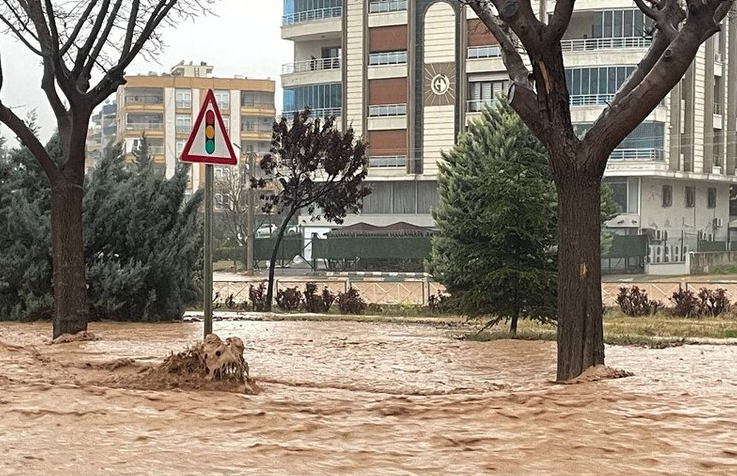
102	130
164	108
408	75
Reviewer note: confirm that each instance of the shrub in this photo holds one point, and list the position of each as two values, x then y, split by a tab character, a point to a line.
635	302
713	302
288	299
350	302
708	302
685	303
257	296
441	303
317	303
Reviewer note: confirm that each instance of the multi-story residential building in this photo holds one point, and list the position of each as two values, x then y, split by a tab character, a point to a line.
408	75
164	108
102	130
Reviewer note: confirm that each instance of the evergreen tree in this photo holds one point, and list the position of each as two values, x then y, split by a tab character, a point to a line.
497	217
143	241
142	155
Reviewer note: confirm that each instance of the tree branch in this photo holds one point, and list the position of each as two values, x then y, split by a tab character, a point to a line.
84	51
18	34
101	40
560	20
29	140
131	28
77	28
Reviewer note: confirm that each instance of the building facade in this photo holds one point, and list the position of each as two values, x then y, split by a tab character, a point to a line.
102	131
164	108
408	75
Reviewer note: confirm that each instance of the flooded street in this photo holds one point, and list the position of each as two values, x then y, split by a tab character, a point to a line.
341	398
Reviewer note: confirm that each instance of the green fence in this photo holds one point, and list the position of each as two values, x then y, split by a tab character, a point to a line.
372	247
627	246
290	247
710	246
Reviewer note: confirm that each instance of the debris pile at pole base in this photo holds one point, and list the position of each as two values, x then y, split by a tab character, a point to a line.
213	364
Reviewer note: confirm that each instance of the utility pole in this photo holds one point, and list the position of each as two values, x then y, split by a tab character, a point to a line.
251	217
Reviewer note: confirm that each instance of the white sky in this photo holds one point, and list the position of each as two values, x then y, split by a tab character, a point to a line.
243	38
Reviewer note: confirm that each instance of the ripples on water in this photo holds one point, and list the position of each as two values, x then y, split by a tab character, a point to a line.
366	399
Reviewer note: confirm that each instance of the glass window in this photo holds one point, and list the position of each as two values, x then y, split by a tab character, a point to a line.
690	197
183	98
711	198
183	124
390	57
223	99
253	99
667	195
180	147
619	191
607	24
324	99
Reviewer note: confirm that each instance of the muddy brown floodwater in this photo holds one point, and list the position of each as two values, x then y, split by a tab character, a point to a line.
363	399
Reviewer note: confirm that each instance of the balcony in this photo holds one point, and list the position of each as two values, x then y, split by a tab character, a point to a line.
478	105
637	154
386	162
388	110
591	99
317	24
183	128
312	71
318	112
145	126
593	44
386	6
482	52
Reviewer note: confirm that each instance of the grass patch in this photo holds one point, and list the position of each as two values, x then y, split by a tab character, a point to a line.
657	331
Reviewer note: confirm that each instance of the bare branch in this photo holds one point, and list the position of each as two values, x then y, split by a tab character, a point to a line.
101	40
17	32
561	18
84	51
77	28
131	28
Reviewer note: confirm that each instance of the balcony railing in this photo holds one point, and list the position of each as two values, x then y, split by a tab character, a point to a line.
591	44
183	129
385	162
312	15
316	64
718	108
383	6
591	99
477	105
490	51
392	57
388	110
319	112
146	126
144	100
637	154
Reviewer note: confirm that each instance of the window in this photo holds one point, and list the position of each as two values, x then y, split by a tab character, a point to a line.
218	200
183	124
180	147
386	110
484	92
256	147
223	99
595	86
226	123
619	24
711	198
667	195
257	99
625	193
257	124
184	98
324	99
381	6
690	197
390	57
646	142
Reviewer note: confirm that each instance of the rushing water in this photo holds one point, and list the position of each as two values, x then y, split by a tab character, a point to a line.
364	399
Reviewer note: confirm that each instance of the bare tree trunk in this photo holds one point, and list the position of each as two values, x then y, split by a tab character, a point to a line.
580	330
71	307
274	255
513	325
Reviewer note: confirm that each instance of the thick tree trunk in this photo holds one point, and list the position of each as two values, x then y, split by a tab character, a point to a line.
580	331
513	325
71	307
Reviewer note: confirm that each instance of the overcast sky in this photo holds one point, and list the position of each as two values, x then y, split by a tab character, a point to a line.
244	38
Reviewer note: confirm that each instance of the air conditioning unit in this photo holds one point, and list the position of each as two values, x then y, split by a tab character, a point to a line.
718	223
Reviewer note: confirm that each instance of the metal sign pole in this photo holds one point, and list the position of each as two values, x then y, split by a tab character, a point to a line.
207	296
251	218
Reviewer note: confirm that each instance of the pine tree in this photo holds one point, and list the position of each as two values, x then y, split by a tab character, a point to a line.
497	219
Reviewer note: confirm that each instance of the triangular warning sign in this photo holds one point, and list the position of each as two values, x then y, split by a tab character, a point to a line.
209	142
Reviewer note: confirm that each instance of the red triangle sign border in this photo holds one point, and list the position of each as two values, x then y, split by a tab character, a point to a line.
187	156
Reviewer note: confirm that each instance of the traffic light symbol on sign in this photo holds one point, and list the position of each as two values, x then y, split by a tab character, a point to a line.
210	132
